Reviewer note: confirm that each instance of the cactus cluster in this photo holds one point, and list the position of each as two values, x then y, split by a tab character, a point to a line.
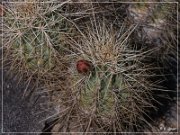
96	74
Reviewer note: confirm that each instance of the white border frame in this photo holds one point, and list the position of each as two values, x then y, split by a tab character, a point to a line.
2	77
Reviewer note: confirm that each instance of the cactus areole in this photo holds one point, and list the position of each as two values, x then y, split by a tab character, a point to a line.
83	66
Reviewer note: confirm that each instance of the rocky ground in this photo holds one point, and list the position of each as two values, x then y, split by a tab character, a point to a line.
22	114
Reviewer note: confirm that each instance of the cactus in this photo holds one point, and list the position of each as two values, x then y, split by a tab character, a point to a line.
100	79
33	34
116	93
121	88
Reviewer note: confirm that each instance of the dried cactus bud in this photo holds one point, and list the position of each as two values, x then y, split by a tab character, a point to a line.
83	66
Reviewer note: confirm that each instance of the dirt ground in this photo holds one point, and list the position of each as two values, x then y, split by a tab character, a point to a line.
22	114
